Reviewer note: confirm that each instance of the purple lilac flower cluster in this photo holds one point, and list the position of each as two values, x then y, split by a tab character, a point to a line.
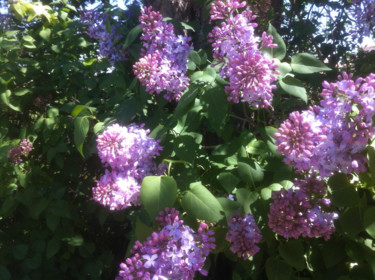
174	252
235	45
23	149
329	138
163	64
96	29
363	13
243	233
129	153
300	211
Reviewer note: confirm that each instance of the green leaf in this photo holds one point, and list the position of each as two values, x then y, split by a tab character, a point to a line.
184	103
215	103
45	34
52	221
132	35
81	127
157	193
305	63
249	171
256	147
194	56
185	147
369	221
4	96
20	251
206	76
53	246
284	68
4	273
245	198
21	91
343	193
229	206
228	181
78	109
280	51
142	231
293	253
277	269
293	87
200	203
351	221
75	241
266	193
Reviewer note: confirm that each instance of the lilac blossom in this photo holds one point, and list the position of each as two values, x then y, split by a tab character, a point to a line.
16	154
96	29
130	153
235	44
300	211
174	252
116	190
163	64
330	138
243	234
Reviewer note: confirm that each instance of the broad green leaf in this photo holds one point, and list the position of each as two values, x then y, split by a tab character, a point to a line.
76	240
194	56
351	221
200	203
343	193
127	110
249	171
305	63
157	193
280	51
4	273
78	109
245	198
21	91
333	251
284	68
206	76
81	127
214	102
369	221
142	231
52	221
228	180
53	246
20	251
229	206
256	147
132	35
293	87
293	253
277	269
45	34
185	148
4	96
266	193
184	103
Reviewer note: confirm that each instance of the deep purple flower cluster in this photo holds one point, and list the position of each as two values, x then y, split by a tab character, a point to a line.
129	152
23	149
363	13
174	252
243	234
329	138
163	64
96	29
235	44
300	212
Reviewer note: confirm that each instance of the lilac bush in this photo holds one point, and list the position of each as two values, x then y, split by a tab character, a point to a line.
363	15
164	55
237	47
176	251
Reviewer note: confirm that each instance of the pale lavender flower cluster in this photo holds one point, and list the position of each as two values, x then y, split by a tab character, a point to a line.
96	29
363	13
235	44
163	64
300	212
129	153
174	252
330	138
243	234
16	154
